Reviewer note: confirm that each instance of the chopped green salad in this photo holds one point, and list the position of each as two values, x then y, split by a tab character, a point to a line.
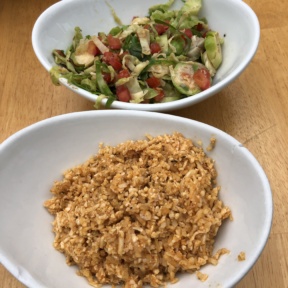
166	56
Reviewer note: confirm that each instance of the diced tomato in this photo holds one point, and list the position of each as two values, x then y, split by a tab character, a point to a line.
161	28
155	47
112	59
123	74
199	26
153	82
123	93
107	77
202	78
204	34
93	49
160	95
113	42
60	52
188	32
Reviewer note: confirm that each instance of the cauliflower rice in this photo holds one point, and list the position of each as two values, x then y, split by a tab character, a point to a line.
139	212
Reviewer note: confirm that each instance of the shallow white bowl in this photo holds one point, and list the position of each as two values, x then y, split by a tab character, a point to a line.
34	157
232	18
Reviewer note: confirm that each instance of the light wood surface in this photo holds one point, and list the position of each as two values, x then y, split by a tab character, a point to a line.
253	109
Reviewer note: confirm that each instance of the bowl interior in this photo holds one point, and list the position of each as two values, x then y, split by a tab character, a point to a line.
233	19
36	156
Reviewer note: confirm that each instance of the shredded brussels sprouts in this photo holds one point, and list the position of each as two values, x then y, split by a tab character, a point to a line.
165	56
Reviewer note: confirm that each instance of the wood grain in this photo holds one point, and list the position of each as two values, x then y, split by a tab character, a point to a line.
253	109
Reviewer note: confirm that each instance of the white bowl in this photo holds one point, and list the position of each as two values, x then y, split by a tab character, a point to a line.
232	18
34	157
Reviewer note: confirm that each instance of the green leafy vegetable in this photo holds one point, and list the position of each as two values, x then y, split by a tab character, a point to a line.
166	56
101	83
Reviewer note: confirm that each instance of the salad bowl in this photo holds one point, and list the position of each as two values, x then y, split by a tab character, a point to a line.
234	22
33	158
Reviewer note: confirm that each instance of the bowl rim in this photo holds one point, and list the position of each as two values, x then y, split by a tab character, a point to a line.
178	104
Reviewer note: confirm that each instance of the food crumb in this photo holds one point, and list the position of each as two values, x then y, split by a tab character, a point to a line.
201	276
242	256
212	144
139	212
214	260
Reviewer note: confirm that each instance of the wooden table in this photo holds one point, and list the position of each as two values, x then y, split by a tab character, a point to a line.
254	109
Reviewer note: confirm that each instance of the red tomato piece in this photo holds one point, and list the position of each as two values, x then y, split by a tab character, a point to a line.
93	49
199	26
123	93
113	42
188	32
202	78
153	82
123	74
112	59
155	47
161	28
160	96
107	77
